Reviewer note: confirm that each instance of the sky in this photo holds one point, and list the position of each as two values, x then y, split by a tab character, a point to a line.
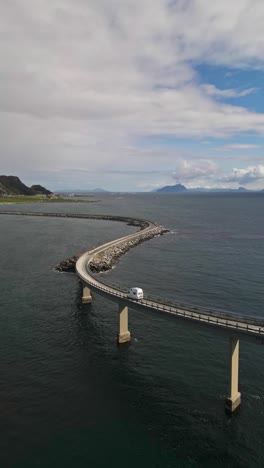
132	95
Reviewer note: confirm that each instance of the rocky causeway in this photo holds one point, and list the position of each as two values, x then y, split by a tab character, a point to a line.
105	260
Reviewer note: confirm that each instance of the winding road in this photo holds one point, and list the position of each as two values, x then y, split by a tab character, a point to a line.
235	324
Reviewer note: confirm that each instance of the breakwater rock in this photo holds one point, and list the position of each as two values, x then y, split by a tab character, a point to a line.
109	257
141	223
67	265
105	260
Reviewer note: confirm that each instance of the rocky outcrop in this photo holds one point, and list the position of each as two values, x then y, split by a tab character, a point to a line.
67	265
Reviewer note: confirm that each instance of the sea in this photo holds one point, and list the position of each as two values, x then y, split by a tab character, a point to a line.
70	397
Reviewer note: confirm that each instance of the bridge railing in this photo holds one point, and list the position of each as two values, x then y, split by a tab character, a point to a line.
203	314
232	324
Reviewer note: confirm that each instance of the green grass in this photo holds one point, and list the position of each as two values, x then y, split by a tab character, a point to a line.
40	199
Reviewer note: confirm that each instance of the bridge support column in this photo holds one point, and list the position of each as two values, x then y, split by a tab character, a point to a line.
124	333
86	297
234	400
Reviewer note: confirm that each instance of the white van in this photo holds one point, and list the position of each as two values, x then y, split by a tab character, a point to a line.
135	293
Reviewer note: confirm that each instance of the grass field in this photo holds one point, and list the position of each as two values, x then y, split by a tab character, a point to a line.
40	199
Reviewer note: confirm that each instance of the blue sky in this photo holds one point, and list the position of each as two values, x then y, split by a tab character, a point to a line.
132	95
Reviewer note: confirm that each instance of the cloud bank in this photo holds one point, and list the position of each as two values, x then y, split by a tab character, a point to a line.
245	176
189	170
83	82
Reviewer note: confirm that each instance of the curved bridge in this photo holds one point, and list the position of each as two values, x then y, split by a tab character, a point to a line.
235	325
249	325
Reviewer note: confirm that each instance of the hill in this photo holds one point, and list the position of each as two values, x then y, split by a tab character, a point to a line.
181	188
39	190
172	189
12	185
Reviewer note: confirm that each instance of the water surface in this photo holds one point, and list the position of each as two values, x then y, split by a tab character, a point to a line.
70	397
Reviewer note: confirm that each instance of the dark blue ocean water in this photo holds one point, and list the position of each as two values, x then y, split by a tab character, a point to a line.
69	397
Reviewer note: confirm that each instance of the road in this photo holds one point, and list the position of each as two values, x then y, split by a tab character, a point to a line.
237	324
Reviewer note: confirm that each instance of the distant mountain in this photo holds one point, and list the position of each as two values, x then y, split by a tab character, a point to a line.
242	189
219	190
82	191
12	185
181	188
172	189
98	190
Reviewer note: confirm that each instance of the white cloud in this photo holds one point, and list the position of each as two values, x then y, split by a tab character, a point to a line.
203	172
188	170
211	90
81	82
246	175
239	146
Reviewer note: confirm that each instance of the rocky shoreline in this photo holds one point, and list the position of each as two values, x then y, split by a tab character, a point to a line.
108	258
105	261
67	265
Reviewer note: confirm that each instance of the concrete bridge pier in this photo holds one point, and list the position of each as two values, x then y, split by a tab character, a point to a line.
234	400
86	297
124	333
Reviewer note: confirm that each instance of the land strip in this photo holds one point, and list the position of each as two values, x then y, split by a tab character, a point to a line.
41	199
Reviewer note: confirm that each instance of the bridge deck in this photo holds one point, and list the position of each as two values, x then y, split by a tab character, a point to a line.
252	326
229	321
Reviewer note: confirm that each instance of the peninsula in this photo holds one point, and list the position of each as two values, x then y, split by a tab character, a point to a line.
13	190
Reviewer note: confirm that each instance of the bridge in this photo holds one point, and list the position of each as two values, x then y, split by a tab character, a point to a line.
234	325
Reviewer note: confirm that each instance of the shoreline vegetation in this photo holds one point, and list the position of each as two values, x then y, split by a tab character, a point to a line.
10	200
110	257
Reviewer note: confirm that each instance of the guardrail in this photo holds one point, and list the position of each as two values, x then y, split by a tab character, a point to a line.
248	324
221	321
218	314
